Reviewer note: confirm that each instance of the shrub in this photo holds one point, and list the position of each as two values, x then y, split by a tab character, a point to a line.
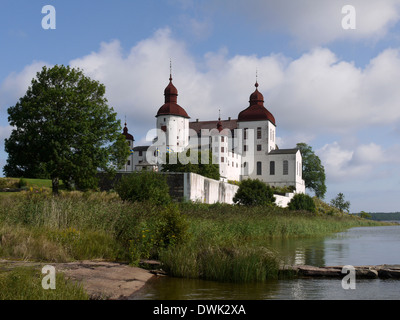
22	183
302	201
254	193
144	186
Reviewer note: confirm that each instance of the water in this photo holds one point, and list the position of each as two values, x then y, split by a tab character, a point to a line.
357	246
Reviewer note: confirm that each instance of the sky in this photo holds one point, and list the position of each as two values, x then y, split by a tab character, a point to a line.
329	74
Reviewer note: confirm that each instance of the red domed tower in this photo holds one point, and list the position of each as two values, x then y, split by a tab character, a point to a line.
256	110
172	121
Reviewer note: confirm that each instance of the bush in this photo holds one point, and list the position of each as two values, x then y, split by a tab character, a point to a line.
144	186
145	229
254	193
22	183
302	201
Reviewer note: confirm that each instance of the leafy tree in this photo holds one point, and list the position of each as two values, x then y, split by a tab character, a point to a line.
64	129
253	192
144	186
313	170
365	215
209	169
340	203
302	201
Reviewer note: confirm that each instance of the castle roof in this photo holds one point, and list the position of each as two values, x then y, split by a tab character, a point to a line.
256	110
170	106
127	135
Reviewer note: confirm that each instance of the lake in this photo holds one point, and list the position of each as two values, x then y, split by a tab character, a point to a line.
357	246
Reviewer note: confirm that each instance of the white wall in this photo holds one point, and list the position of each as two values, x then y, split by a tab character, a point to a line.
206	190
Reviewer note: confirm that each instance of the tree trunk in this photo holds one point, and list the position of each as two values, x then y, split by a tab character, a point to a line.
55	183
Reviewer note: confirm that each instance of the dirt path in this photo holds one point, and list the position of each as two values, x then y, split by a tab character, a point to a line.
100	279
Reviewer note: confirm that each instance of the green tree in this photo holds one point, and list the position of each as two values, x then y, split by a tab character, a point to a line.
365	215
144	186
302	201
64	129
209	170
340	203
313	170
253	192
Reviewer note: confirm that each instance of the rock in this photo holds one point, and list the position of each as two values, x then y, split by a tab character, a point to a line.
389	271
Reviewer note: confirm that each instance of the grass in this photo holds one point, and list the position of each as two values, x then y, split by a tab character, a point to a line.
216	242
34	183
25	283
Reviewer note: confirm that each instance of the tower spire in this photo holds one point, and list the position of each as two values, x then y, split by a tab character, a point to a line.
170	70
256	85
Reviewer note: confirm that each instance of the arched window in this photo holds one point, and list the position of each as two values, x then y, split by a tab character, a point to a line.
272	168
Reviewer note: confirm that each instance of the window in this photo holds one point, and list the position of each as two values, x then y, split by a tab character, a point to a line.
222	139
222	159
259	168
272	168
140	153
258	133
222	149
245	147
245	133
259	147
129	143
285	167
129	162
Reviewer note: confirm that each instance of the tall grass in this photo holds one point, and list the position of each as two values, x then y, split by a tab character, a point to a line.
218	242
228	243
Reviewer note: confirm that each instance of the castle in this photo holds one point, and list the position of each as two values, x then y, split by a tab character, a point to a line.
244	147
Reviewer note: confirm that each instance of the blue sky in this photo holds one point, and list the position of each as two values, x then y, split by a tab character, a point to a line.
335	89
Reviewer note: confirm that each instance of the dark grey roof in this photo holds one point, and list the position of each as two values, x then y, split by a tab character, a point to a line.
284	151
141	148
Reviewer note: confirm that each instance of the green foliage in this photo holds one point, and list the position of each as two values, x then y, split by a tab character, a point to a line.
313	170
8	183
340	203
302	201
254	193
195	164
64	129
22	183
220	263
26	284
144	234
144	186
365	215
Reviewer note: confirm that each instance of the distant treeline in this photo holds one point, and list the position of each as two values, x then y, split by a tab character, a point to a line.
388	216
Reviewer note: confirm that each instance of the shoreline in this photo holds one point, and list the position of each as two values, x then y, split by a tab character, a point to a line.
100	279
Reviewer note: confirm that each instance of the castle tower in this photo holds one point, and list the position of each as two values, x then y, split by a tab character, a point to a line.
173	120
258	129
129	165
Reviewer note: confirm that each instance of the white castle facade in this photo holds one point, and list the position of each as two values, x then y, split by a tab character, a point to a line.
243	148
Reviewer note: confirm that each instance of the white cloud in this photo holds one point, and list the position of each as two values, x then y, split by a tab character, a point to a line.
17	83
365	162
309	96
313	22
